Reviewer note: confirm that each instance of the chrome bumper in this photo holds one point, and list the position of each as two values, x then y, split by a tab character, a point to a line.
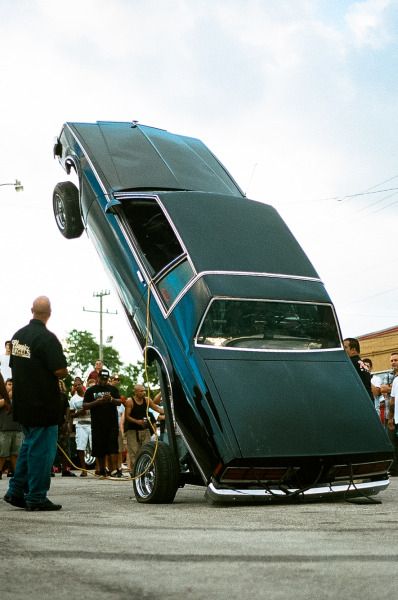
358	488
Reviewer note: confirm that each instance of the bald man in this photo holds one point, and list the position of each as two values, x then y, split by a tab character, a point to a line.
37	362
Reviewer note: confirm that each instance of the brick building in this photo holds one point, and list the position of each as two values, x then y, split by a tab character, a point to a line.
378	346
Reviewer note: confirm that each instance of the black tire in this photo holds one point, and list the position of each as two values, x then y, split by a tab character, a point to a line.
67	210
157	484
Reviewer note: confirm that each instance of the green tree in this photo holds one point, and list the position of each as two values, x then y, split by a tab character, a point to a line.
130	375
82	351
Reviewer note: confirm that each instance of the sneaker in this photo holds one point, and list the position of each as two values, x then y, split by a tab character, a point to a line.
68	474
46	505
17	501
116	473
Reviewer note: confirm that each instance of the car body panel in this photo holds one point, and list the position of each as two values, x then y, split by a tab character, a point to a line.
298	412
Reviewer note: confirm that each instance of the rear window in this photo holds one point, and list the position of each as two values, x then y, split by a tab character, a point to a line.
269	325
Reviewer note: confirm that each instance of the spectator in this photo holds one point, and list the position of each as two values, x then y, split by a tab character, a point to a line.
387	381
102	399
384	402
375	383
352	348
97	369
5	369
115	381
82	421
393	425
37	362
10	430
77	382
64	432
136	425
161	417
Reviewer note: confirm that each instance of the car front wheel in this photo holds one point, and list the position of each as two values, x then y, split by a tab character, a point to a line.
67	210
156	481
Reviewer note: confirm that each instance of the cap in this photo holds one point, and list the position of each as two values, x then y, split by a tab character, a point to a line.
104	373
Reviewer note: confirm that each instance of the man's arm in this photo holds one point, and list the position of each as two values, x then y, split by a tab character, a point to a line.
155	406
391	412
61	373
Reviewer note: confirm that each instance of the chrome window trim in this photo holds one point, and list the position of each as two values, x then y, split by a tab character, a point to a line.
239	274
291	351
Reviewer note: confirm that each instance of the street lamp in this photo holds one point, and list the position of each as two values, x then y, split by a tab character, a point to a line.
17	185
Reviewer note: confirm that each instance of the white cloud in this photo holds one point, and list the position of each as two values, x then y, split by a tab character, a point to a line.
368	22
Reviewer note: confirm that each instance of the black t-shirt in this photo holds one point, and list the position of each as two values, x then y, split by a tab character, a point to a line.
103	413
138	412
363	373
36	354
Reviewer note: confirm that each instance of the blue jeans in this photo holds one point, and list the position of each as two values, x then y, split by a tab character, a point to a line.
32	475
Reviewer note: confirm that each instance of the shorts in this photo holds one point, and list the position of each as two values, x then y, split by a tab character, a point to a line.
83	437
105	439
10	443
135	440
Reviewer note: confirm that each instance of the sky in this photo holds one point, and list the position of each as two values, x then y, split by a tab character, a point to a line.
297	98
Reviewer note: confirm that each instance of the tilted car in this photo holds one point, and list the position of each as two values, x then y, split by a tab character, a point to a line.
256	385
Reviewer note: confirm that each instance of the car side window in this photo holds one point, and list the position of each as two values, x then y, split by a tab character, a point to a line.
160	249
153	233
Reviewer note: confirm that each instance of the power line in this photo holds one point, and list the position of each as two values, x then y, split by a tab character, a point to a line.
340	199
369	189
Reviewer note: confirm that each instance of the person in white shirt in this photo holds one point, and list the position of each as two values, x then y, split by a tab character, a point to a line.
5	368
82	422
375	382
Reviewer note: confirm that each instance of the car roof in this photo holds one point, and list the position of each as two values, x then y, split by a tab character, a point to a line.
228	233
138	157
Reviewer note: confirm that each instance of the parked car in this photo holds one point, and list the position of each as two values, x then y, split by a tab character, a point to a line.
256	385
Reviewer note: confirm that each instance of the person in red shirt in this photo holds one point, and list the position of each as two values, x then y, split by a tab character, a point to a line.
97	368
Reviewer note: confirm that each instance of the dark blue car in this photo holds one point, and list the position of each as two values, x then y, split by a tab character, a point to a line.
261	400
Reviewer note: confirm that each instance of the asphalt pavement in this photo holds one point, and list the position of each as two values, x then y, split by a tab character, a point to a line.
105	545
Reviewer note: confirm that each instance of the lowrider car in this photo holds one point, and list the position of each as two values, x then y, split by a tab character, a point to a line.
259	394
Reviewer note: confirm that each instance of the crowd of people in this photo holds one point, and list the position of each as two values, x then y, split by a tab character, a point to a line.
38	415
382	389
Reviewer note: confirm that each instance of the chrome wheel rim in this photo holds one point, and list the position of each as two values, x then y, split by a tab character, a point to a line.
146	482
59	212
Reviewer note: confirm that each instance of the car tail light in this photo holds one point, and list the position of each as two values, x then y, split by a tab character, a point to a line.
253	474
359	469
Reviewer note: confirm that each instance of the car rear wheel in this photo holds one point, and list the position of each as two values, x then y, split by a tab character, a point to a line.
156	481
67	210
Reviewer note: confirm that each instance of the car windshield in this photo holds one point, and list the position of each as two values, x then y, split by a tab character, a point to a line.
269	325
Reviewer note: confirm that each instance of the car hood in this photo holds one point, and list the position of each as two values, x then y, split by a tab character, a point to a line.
297	407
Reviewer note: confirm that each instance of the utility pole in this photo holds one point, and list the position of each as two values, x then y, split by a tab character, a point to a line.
100	295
